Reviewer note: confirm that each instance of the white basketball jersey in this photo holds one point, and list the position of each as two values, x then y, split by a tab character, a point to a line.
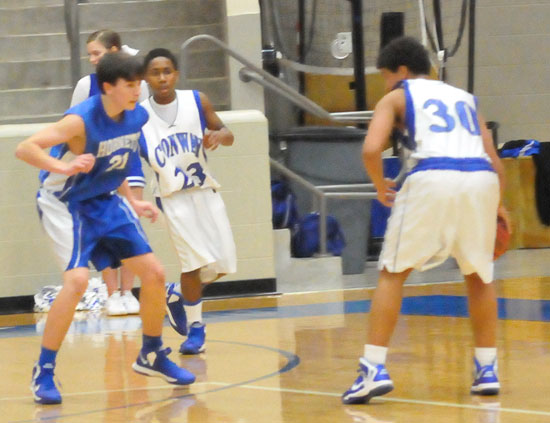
441	120
175	151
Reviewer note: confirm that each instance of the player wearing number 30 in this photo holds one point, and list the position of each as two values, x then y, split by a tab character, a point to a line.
447	206
182	125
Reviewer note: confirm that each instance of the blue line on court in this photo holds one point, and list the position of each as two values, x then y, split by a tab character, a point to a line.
429	305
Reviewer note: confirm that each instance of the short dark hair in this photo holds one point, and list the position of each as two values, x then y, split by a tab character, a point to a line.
107	37
160	52
404	51
115	65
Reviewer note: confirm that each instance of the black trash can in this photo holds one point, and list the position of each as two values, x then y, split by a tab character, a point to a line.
332	156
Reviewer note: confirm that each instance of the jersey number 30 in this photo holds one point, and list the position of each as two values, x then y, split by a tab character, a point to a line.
466	114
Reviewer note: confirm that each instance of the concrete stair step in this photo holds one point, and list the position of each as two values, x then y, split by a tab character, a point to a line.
21	119
53	46
34	74
151	14
16	105
303	274
57	72
49	19
35	66
35	101
32	20
18	4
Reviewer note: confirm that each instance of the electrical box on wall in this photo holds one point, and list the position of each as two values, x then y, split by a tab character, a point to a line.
341	47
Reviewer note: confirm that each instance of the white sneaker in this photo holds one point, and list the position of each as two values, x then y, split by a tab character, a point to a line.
130	302
114	305
373	381
485	379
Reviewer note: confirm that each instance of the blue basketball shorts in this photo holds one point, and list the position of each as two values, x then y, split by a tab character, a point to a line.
103	230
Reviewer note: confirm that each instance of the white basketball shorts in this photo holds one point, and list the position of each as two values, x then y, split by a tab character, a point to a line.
200	230
442	213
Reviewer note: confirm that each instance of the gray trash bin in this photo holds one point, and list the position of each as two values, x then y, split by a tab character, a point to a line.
332	156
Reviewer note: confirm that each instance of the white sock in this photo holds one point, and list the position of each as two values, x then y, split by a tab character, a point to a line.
375	354
193	312
485	356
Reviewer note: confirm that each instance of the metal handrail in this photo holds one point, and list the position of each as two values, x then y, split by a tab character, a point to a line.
363	116
72	27
251	72
345	186
247	75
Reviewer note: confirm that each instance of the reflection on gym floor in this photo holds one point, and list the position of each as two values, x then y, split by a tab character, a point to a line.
288	358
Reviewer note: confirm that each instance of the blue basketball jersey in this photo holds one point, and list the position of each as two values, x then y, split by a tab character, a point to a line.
94	86
111	142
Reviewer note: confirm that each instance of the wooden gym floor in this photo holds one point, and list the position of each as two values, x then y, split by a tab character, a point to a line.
288	358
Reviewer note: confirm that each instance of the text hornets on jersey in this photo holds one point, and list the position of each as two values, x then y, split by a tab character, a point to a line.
108	147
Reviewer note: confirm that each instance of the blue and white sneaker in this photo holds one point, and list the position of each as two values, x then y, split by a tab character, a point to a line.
372	381
485	379
43	385
175	310
194	344
157	364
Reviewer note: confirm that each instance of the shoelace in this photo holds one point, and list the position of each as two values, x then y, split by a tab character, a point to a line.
362	372
165	352
485	371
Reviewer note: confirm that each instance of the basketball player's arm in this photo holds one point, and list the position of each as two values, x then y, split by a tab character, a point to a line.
69	130
142	208
378	133
489	147
217	133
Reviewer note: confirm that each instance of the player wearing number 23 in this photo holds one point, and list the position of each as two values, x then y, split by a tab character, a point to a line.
182	125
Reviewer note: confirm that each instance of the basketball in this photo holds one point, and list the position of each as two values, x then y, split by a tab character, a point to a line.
502	241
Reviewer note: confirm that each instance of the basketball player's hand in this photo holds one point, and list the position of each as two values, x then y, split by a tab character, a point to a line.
145	209
211	139
386	193
83	163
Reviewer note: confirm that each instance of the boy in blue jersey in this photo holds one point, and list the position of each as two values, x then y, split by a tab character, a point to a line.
86	221
119	302
447	206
